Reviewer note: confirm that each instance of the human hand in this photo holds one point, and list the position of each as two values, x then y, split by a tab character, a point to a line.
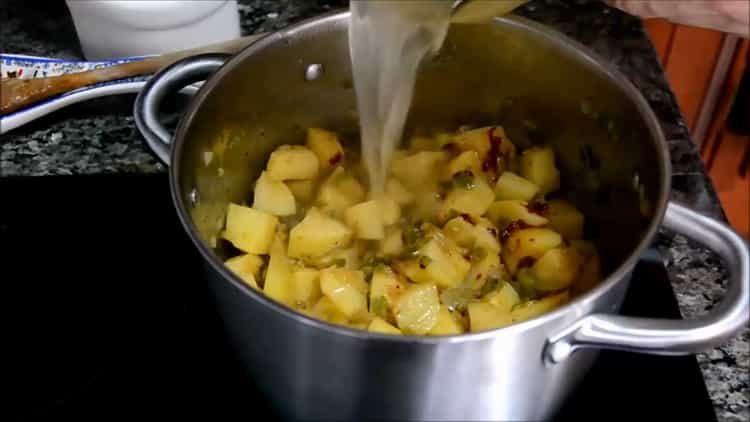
732	16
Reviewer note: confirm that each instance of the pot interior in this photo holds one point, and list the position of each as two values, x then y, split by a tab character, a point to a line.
535	83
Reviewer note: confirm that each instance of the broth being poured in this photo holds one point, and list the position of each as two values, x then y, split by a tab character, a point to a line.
388	40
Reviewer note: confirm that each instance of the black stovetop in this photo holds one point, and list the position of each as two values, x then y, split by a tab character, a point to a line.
108	317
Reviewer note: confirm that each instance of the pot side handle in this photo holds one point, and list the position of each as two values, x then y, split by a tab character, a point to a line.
168	81
665	336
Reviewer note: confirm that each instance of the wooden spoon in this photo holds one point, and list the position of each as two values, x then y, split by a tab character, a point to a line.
16	93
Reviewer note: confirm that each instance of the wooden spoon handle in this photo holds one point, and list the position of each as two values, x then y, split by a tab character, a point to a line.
16	93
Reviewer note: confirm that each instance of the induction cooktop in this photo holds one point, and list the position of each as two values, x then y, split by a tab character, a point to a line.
108	317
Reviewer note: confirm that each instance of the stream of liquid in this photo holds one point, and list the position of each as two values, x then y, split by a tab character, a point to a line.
388	40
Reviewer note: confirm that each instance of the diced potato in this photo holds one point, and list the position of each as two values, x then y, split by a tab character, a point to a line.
348	258
461	231
317	235
534	308
327	311
390	210
440	262
393	243
565	219
504	212
417	309
472	232
484	268
532	243
426	204
474	201
273	197
303	190
557	269
379	326
512	186
247	267
467	160
250	230
481	139
346	289
504	298
366	220
474	140
422	143
447	323
417	169
306	282
486	236
396	191
538	165
326	146
387	285
484	316
340	191
278	284
292	162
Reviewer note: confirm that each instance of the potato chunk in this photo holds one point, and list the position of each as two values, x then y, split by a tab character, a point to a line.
417	169
396	191
377	325
439	262
317	235
340	191
273	197
473	199
417	309
528	245
565	219
467	160
534	308
393	243
512	186
306	283
557	269
247	267
303	190
326	146
366	219
504	298
250	230
292	162
278	283
538	166
326	310
344	288
448	323
484	316
504	212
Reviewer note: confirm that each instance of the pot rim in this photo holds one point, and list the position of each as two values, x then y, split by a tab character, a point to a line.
568	46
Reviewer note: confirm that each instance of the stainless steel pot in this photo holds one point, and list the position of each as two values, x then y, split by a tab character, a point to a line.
544	88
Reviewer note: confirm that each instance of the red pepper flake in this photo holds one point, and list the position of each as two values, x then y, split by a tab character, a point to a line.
336	158
494	154
538	207
492	231
467	218
516	225
526	262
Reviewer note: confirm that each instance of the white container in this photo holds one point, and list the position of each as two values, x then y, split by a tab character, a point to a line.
119	28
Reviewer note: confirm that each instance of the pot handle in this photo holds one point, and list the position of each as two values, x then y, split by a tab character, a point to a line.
665	336
168	81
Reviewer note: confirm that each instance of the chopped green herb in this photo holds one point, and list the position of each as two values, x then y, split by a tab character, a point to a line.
379	307
411	236
464	180
478	254
339	262
489	285
527	283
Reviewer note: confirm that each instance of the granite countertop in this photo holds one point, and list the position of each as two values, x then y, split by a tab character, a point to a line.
99	136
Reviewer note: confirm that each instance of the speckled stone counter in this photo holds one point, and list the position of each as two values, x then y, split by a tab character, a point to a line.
99	136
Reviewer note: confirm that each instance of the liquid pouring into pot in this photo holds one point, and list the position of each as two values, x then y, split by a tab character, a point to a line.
388	40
